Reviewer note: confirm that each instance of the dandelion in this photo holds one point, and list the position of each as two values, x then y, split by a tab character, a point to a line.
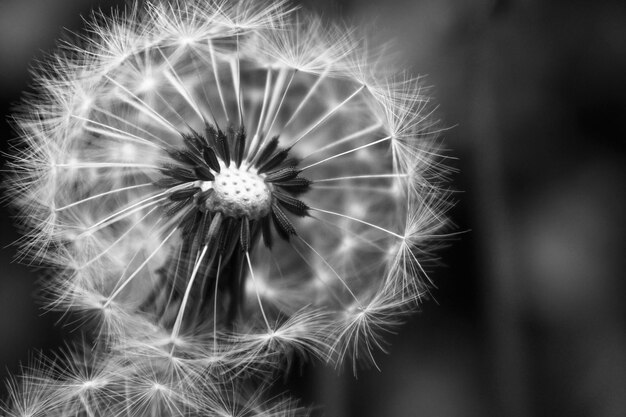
220	185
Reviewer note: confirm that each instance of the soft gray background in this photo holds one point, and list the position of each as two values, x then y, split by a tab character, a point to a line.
529	317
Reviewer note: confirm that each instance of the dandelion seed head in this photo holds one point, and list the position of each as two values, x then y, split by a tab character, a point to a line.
223	184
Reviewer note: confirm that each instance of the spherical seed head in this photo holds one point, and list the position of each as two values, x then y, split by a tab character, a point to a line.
240	193
123	177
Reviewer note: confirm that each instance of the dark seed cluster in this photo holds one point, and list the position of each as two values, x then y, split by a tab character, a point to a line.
204	181
191	177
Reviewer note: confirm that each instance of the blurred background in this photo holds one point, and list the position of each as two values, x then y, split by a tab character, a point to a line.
529	317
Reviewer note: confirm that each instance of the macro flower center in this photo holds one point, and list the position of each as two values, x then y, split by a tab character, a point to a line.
240	193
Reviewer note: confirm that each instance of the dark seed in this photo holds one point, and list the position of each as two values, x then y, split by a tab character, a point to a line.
291	204
222	147
204	227
211	135
176	207
275	160
189	222
193	142
214	229
167	182
204	196
182	174
267	231
267	151
184	194
281	223
296	185
244	235
204	173
283	174
211	159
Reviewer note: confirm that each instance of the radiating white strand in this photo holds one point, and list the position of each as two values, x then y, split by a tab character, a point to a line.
175	81
170	297
275	97
85	404
93	197
128	123
258	296
330	158
86	165
378	189
239	93
217	81
143	264
144	108
327	116
118	240
314	270
183	304
217	281
348	138
282	100
120	216
198	73
358	221
140	202
356	177
129	262
114	132
306	98
332	269
252	149
335	225
236	77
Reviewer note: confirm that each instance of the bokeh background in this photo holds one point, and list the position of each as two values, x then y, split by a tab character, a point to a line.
529	317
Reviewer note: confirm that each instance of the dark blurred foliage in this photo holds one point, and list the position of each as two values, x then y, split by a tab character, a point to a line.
528	318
